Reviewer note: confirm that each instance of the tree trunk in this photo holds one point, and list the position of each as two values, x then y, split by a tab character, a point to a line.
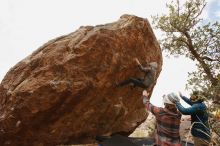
206	68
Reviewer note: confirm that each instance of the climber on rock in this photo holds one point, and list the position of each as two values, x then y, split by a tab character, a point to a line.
146	81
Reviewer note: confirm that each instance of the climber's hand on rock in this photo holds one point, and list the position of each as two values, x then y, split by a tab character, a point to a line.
137	61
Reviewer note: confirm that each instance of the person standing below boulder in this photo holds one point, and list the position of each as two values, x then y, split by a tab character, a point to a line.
199	117
167	121
149	76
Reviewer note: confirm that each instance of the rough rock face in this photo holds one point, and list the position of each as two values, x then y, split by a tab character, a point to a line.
64	92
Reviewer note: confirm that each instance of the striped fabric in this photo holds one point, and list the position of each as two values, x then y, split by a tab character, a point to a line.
168	124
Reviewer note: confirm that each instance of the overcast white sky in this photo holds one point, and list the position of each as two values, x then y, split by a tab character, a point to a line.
25	25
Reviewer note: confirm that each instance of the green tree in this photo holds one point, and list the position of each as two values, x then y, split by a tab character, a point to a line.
186	34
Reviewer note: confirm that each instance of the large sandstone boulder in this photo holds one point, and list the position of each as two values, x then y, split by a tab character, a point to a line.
65	92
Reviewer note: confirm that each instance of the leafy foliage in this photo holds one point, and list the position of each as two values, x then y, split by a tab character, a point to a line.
186	34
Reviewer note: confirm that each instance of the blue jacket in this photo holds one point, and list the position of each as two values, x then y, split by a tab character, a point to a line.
199	118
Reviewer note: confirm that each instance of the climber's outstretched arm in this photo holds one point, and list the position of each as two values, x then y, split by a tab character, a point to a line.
143	69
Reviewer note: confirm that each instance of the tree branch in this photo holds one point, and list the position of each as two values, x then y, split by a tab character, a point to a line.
205	67
209	59
200	12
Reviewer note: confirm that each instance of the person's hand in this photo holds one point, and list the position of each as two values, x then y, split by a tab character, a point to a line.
145	93
180	94
145	97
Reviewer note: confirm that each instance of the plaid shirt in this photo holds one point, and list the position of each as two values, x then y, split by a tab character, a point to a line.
168	124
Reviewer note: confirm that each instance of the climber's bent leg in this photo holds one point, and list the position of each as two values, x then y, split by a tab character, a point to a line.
135	81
